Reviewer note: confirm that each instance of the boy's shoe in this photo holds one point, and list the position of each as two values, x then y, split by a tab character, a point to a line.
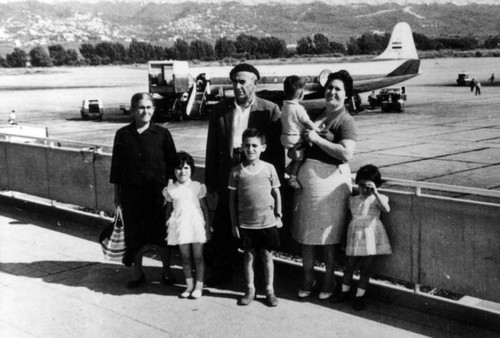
133	284
340	297
271	300
294	183
247	298
359	303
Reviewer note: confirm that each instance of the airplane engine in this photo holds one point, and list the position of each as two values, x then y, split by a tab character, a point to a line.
323	76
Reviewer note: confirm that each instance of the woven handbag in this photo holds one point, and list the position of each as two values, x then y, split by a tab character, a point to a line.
112	239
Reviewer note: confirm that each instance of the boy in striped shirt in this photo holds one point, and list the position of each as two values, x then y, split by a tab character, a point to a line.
255	206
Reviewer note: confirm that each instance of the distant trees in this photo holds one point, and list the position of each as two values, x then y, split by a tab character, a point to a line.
224	48
18	58
243	47
250	47
492	42
201	50
39	57
182	50
319	45
58	55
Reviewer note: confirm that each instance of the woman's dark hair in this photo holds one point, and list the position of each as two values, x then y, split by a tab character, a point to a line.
345	77
252	132
184	158
140	96
369	172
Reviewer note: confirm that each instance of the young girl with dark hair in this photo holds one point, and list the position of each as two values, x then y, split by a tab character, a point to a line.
187	225
366	235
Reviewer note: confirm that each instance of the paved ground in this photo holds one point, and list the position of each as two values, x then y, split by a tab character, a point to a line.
54	283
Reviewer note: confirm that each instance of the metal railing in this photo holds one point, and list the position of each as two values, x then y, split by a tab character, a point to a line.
442	236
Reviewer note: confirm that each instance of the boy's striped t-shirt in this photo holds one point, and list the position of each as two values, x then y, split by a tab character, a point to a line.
255	202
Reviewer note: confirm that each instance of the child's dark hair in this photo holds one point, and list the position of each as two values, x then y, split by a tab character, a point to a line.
292	85
182	159
252	132
369	172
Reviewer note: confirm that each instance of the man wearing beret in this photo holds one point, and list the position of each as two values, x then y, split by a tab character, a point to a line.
228	119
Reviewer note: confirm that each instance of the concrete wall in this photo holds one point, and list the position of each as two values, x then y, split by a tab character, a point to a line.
444	243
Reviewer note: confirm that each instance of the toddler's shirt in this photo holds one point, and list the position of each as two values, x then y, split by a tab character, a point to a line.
293	117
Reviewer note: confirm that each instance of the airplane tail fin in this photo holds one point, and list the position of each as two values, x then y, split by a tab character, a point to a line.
401	44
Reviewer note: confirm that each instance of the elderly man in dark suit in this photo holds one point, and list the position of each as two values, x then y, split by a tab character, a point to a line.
228	119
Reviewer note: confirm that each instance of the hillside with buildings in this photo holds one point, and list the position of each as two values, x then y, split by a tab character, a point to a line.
26	24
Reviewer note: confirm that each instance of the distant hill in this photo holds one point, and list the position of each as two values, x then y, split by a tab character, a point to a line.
29	23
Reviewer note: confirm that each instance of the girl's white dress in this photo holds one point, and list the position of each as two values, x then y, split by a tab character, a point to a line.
186	223
366	234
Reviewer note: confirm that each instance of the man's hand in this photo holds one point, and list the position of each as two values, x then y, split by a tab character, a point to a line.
279	222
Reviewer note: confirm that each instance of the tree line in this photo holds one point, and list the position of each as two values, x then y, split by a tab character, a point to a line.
243	47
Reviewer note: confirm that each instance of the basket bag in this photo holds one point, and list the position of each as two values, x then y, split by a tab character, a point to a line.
112	238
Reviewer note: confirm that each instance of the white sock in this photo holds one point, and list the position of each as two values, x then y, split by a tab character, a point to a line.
360	292
346	288
270	289
199	285
189	284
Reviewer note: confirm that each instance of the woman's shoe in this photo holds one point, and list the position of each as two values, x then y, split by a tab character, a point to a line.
324	295
133	284
271	300
304	293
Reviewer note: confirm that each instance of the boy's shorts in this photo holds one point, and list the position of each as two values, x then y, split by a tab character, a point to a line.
267	238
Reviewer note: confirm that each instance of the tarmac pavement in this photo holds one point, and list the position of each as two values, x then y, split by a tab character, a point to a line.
54	282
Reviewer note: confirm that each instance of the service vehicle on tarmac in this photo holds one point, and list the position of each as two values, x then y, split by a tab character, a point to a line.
388	94
92	108
463	79
392	99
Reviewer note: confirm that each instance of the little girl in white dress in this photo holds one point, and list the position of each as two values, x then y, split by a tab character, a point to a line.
187	222
366	235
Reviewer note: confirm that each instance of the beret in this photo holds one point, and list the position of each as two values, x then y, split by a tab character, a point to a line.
244	67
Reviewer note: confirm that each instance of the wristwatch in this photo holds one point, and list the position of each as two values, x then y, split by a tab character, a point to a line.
279	214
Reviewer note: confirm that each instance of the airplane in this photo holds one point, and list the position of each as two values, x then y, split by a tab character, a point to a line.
189	90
